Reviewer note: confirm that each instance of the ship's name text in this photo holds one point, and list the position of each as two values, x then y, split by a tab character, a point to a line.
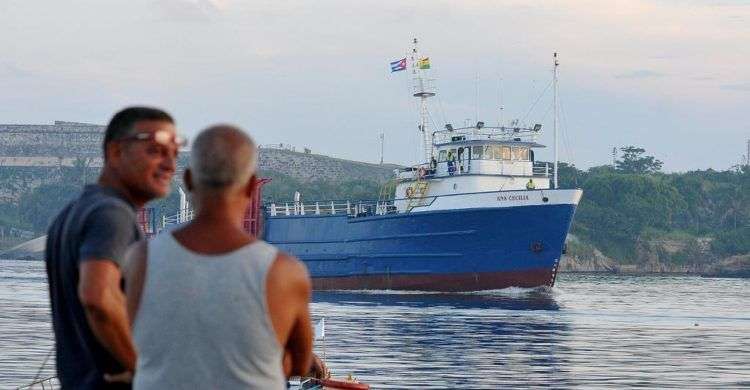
504	198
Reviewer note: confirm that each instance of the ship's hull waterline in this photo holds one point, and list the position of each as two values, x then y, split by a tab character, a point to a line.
446	250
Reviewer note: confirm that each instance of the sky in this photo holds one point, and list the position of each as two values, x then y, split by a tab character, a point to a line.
672	77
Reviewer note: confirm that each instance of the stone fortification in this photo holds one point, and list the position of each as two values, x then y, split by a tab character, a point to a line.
308	166
32	155
59	144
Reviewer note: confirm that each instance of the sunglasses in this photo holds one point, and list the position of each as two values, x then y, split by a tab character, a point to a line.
162	137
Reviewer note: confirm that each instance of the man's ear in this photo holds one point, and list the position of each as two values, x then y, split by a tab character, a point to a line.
188	179
250	186
113	153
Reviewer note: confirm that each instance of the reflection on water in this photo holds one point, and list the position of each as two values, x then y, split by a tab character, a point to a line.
512	299
442	340
589	331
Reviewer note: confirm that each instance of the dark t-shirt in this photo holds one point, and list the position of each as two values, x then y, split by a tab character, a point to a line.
100	224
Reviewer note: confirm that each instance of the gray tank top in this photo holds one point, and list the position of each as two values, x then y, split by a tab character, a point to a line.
203	321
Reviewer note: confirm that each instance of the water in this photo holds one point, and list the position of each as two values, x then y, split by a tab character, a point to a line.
590	331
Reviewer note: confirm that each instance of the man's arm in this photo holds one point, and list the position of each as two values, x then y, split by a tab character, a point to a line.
108	231
289	288
104	305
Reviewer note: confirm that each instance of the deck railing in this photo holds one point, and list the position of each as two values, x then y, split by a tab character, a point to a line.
538	169
349	208
182	216
542	169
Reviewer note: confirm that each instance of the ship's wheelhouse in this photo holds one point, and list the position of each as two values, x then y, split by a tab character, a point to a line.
490	157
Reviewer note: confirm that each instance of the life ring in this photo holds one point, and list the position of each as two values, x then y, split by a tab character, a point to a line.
409	192
422	172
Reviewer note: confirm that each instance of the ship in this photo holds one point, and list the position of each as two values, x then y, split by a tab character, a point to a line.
478	213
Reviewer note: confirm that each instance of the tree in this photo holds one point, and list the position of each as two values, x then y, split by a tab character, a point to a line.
633	161
39	206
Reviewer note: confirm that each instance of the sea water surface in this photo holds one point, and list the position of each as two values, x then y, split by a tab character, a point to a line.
589	331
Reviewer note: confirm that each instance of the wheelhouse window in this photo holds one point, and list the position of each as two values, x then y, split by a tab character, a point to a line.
442	155
505	153
492	152
477	152
496	153
520	154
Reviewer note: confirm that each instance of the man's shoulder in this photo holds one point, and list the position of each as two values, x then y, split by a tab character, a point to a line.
289	262
290	272
97	197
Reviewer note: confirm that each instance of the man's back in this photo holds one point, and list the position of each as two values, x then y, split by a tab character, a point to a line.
203	320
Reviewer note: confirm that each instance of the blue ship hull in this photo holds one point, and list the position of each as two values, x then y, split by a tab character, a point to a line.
448	250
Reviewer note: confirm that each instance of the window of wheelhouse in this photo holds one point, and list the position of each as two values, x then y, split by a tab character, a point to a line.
442	155
477	152
520	153
495	152
505	154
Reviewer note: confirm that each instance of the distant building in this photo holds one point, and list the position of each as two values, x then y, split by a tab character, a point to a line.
59	144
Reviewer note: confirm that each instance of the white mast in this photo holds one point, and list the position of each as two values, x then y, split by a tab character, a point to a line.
382	141
423	91
555	116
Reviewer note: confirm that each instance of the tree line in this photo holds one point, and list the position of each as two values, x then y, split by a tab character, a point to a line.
632	201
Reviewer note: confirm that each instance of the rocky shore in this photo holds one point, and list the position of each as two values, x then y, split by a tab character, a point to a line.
595	261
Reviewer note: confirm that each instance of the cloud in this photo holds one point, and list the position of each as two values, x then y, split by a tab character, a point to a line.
639	74
13	70
736	87
192	10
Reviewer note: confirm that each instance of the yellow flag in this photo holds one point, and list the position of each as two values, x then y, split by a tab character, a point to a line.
424	63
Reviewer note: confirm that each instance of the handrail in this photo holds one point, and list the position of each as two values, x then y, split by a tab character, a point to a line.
349	208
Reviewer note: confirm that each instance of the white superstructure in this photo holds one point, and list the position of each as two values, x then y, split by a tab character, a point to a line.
472	160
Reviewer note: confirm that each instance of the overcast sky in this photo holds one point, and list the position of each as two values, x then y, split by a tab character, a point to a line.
670	76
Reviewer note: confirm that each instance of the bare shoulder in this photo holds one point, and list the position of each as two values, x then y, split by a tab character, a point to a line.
288	272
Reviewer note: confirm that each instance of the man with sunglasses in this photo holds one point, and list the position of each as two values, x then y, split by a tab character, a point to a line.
86	245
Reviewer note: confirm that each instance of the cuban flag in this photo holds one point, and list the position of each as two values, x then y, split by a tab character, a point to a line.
399	65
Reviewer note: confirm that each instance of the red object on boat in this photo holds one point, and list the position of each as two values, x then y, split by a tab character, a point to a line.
146	219
338	384
253	217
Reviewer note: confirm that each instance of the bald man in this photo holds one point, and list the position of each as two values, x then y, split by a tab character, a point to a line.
212	307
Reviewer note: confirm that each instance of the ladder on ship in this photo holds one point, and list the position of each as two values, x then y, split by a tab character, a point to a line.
386	195
418	191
